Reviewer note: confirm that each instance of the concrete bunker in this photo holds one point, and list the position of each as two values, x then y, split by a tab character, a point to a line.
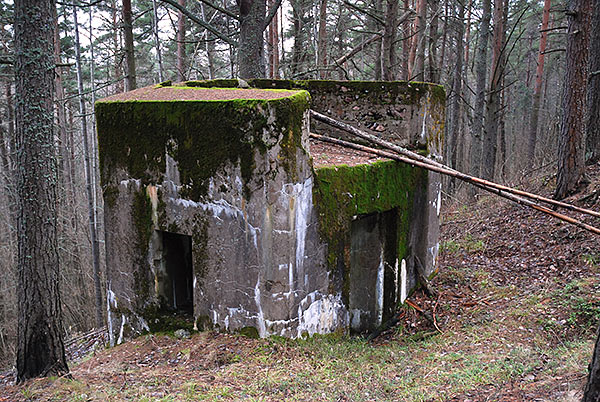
218	206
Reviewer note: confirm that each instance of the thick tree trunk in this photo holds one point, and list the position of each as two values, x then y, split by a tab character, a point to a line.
251	46
537	92
130	82
274	46
454	112
593	90
40	349
389	37
481	75
434	71
592	388
181	60
571	146
406	44
116	47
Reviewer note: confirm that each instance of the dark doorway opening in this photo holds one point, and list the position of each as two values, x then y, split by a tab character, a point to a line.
178	286
373	270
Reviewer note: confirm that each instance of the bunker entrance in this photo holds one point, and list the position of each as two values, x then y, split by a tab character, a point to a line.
373	269
176	292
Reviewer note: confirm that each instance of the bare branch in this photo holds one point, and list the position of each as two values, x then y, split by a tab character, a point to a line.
364	11
271	13
358	48
221	9
200	22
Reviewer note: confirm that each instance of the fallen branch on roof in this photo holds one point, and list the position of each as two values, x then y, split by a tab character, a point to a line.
439	168
459	175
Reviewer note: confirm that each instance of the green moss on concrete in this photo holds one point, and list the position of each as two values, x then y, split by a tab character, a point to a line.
142	221
201	136
342	193
381	92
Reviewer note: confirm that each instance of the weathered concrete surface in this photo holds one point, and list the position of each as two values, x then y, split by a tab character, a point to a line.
235	176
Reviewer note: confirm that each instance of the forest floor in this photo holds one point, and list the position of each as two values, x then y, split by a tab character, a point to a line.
516	311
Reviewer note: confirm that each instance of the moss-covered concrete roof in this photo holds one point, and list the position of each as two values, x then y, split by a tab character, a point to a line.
186	93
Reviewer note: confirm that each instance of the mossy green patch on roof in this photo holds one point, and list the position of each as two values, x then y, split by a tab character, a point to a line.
380	91
136	135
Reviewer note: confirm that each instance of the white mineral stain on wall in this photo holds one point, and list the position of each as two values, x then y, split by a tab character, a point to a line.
320	314
218	208
379	288
123	321
433	251
403	278
262	329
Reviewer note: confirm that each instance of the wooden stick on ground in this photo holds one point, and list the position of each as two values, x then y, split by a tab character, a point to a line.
462	176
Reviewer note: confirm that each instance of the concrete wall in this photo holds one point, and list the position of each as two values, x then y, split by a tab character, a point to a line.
263	261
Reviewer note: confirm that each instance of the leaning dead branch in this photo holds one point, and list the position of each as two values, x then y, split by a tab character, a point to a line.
459	175
435	167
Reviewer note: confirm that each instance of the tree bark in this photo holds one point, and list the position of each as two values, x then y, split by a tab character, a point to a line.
454	113
418	73
157	41
434	71
593	90
181	60
406	44
571	163
537	92
389	37
130	82
40	349
274	47
592	387
322	44
251	47
481	75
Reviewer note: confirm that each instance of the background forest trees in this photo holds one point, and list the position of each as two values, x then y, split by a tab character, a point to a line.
501	61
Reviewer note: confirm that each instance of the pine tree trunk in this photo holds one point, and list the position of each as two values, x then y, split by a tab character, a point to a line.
322	44
40	349
592	387
571	146
389	37
181	61
537	92
130	82
419	70
434	71
593	90
406	44
251	46
454	112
